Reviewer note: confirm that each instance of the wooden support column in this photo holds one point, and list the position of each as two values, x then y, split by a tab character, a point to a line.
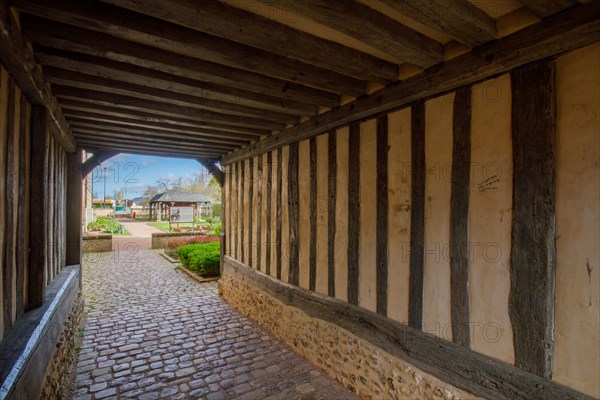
382	214
251	177
331	223
269	189
95	160
213	169
278	241
312	276
293	200
459	217
533	255
353	212
74	203
417	216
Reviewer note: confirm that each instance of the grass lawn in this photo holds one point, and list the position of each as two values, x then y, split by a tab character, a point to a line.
164	226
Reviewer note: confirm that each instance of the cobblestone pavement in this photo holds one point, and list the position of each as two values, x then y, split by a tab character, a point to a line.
153	333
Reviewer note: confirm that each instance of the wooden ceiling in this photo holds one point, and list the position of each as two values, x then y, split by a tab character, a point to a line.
200	79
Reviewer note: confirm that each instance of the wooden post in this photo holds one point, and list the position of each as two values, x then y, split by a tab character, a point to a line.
74	185
38	186
353	212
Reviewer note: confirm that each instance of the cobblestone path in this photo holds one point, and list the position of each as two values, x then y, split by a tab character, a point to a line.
153	333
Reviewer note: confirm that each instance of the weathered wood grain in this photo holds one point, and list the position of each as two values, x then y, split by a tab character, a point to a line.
533	251
544	8
382	215
22	243
353	212
269	212
212	167
293	210
417	216
331	223
459	217
312	273
251	223
278	241
11	211
259	207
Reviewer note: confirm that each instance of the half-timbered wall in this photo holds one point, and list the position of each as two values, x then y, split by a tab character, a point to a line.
20	154
472	216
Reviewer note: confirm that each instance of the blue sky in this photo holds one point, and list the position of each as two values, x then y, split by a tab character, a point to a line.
139	171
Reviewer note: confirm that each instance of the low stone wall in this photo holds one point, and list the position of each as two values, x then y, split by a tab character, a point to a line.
57	379
361	367
97	243
161	240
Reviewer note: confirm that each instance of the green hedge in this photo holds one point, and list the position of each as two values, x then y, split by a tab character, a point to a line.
203	259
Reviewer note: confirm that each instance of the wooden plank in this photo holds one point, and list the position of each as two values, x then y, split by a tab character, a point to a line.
107	69
483	376
382	214
63	77
22	243
268	35
545	8
18	59
242	186
4	100
102	145
158	108
269	206
353	212
417	217
293	207
235	203
11	211
144	30
212	167
312	273
576	27
463	21
371	27
533	263
331	224
259	207
251	209
459	217
70	38
278	241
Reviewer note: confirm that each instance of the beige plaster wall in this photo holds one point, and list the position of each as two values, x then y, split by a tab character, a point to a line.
577	319
322	278
399	211
304	212
490	219
438	166
367	282
341	214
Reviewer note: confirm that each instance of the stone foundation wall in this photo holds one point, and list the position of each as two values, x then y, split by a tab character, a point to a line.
96	243
57	380
360	366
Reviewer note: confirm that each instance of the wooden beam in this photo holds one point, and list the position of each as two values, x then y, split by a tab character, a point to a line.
545	8
417	216
12	183
382	215
71	79
95	160
269	212
103	113
353	213
169	110
459	217
18	59
574	28
480	375
242	178
141	29
115	70
258	203
312	271
23	226
293	206
331	212
92	146
74	208
368	26
533	252
83	41
251	223
38	188
463	21
213	169
278	241
267	34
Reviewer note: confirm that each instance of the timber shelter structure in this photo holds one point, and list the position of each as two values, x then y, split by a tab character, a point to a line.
412	185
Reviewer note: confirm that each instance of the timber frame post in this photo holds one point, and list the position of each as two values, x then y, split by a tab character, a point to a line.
211	166
74	202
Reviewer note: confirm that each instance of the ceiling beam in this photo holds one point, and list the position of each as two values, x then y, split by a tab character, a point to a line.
125	145
91	146
70	38
169	110
67	78
109	69
17	58
124	129
142	29
213	169
95	160
576	27
545	8
148	139
461	20
263	33
358	21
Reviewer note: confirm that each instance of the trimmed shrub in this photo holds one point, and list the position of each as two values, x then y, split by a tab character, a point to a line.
203	259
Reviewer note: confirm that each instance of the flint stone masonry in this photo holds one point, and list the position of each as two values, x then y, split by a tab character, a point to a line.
361	367
153	333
